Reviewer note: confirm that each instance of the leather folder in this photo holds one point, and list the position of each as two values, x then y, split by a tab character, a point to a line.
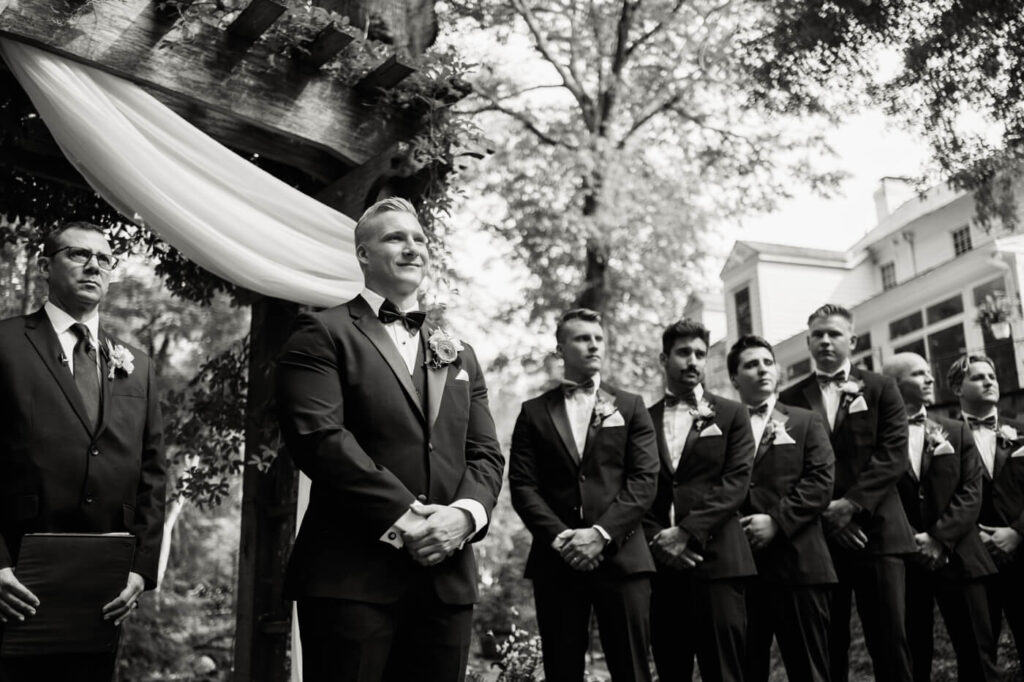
73	575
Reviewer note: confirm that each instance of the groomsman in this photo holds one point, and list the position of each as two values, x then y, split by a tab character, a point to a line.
790	486
583	471
706	446
941	495
867	528
1000	443
387	414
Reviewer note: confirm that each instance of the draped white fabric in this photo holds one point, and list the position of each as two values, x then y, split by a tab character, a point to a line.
218	209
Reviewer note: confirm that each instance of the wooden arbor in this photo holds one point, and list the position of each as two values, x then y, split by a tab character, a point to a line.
329	137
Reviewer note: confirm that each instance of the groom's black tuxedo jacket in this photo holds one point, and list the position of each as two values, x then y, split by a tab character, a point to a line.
871	454
792	483
610	484
58	473
353	419
706	490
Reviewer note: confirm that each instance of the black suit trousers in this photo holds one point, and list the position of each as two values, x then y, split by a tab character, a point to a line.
797	616
964	609
79	667
706	619
878	583
622	607
1006	595
416	638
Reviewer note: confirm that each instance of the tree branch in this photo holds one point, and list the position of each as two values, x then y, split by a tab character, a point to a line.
496	105
646	116
567	74
658	28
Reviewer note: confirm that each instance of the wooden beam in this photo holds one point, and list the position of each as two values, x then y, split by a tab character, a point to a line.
329	42
384	77
255	19
130	39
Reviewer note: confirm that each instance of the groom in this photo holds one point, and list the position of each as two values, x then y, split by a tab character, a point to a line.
388	416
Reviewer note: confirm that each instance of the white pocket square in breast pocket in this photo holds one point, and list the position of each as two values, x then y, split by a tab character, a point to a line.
463	375
858	405
944	449
712	430
1019	452
783	438
614	419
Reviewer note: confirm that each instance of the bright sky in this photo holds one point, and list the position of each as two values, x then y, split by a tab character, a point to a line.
868	148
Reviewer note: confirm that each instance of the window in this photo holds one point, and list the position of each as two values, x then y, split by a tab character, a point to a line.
888	276
962	240
913	347
906	325
944	348
798	369
744	321
948	308
863	342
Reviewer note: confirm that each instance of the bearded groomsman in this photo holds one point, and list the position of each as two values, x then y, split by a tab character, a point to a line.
791	485
81	441
387	414
865	522
941	495
706	446
1000	443
583	471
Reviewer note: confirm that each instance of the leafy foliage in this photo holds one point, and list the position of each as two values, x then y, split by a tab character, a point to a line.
959	82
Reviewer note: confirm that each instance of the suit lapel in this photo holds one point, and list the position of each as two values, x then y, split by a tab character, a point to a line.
812	393
927	451
658	417
44	339
592	428
371	327
437	377
105	381
560	418
1002	454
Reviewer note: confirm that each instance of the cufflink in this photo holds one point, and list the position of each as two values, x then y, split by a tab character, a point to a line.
392	535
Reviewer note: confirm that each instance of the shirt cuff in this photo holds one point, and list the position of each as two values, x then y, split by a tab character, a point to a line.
476	512
604	533
393	535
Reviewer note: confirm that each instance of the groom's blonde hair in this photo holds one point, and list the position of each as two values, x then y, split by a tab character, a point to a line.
389	205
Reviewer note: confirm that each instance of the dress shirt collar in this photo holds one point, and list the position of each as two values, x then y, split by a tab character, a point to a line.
376	301
62	322
846	367
698	393
920	413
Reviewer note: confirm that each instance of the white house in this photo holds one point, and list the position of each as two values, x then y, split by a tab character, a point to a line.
913	282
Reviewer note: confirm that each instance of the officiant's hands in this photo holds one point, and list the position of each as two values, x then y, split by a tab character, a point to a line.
439	534
127	601
16	601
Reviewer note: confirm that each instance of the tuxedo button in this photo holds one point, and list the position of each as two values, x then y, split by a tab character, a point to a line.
94	452
753	485
89	499
583	477
430	446
422	499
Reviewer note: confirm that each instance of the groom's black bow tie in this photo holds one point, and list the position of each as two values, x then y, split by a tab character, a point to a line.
917	419
673	400
412	320
761	409
988	422
570	388
839	378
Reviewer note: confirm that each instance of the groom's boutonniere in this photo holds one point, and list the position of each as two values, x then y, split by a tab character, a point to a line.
703	414
120	359
604	407
936	439
1008	435
444	348
852	391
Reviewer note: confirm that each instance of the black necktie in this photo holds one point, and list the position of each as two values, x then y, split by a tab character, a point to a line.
839	378
988	422
761	409
86	374
673	400
917	419
412	320
570	388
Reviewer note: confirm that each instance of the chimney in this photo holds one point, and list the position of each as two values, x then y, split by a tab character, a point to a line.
891	193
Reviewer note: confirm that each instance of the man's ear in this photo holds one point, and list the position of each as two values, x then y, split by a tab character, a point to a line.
663	359
43	263
361	254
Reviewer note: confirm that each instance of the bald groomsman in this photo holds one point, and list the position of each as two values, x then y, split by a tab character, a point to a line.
867	529
790	487
1000	443
941	494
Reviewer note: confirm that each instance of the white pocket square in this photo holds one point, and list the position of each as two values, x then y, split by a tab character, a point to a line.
463	375
614	419
712	430
1019	452
783	438
944	449
858	405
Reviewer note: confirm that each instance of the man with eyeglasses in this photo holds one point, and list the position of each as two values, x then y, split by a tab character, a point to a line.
81	441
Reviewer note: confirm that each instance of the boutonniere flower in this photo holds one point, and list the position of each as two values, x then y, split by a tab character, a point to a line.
444	349
934	435
851	389
770	429
120	359
1008	435
604	407
703	414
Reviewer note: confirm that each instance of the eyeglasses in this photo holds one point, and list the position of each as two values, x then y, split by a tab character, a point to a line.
77	254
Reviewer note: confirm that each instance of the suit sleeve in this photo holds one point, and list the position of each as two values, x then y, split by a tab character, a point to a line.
524	481
812	493
627	510
310	407
485	464
151	492
889	460
961	514
726	496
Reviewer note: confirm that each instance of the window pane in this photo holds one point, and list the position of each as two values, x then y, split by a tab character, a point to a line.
962	240
798	369
905	325
948	308
744	322
888	276
863	342
944	348
913	347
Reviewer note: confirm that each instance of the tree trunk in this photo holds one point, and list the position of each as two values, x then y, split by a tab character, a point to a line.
594	294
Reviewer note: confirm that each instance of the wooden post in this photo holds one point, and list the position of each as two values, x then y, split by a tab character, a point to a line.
263	623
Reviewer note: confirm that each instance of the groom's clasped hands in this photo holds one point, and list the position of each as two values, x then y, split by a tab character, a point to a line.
435	531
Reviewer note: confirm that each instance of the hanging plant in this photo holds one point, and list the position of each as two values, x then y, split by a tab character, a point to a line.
996	312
